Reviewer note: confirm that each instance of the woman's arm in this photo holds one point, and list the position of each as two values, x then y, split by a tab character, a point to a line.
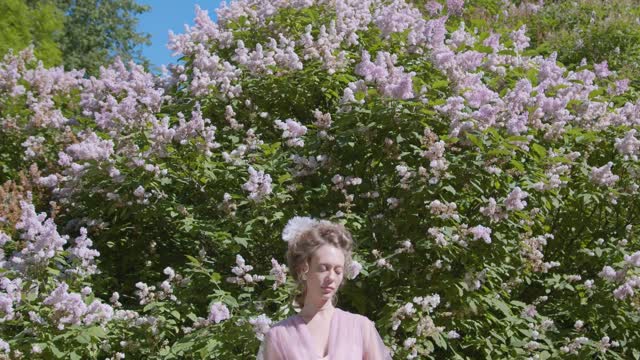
269	349
374	348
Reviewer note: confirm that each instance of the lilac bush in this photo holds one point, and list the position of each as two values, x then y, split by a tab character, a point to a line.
491	189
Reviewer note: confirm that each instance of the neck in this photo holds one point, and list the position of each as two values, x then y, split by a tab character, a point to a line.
311	307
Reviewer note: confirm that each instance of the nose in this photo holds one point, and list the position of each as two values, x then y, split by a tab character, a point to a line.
332	277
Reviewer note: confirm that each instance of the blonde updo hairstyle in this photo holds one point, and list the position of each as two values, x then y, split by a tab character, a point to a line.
299	253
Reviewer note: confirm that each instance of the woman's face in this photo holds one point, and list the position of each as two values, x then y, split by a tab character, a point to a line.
326	271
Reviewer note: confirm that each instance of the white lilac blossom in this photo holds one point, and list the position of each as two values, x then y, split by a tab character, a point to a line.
325	47
353	269
492	211
629	145
408	310
307	165
409	342
145	292
437	161
603	176
323	121
258	185
428	303
261	325
438	235
82	253
405	176
452	334
444	210
623	291
633	259
218	312
532	252
608	273
481	232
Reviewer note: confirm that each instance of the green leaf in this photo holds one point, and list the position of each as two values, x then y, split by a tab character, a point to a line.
450	189
540	150
241	241
284	177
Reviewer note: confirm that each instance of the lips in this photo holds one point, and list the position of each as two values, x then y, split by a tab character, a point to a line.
328	288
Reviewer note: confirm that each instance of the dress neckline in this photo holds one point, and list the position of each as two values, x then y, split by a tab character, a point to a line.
308	339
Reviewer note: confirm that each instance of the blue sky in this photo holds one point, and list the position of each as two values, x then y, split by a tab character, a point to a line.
168	15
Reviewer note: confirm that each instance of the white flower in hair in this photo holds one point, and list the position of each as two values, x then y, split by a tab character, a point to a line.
296	226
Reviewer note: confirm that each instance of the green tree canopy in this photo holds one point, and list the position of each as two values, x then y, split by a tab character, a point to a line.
39	24
96	31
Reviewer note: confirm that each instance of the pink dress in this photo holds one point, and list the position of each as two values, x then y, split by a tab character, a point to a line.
351	336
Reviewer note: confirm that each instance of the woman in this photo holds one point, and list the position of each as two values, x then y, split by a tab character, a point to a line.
318	254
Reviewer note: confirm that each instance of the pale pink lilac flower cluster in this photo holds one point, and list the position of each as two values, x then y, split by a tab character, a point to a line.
474	280
121	98
515	199
603	176
33	146
391	80
90	148
532	252
261	325
405	175
324	46
493	211
218	312
46	84
258	185
437	161
396	16
11	295
279	272
42	240
305	166
481	232
83	255
629	146
292	131
444	210
70	309
455	7
242	276
433	7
